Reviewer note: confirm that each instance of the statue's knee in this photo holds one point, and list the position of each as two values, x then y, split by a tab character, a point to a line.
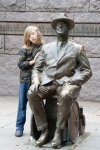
66	97
64	93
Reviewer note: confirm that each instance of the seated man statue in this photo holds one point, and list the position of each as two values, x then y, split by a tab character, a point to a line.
61	68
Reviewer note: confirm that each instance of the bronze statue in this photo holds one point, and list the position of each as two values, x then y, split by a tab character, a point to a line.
61	68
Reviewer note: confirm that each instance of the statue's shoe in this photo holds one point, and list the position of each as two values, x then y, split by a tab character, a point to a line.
57	140
43	138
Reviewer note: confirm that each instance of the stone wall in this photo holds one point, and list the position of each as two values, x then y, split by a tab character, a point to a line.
42	11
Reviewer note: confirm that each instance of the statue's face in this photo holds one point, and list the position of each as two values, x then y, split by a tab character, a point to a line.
62	28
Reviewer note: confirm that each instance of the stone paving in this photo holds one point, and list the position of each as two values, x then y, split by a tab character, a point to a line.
8	141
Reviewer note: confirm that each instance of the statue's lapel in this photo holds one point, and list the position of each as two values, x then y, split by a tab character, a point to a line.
53	48
69	46
61	52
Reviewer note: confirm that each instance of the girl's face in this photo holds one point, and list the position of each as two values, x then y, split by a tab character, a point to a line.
33	37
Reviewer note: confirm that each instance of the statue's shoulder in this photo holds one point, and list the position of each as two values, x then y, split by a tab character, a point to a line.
46	46
76	46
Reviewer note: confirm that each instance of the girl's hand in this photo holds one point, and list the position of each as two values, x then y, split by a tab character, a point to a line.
33	61
36	56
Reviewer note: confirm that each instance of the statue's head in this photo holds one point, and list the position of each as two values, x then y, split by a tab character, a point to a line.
62	20
62	29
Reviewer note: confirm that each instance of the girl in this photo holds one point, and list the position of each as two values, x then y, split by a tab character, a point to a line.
28	55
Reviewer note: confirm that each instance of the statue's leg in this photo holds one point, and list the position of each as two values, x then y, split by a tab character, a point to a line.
34	133
31	124
64	102
37	107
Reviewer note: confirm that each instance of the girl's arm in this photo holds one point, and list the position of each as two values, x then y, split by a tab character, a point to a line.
23	63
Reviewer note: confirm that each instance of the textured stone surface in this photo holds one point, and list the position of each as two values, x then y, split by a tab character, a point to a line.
49	39
1	43
94	5
56	5
91	45
33	16
12	5
2	16
91	90
13	44
9	75
92	17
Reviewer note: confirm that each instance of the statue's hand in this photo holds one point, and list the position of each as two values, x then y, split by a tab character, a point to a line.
67	86
34	87
69	82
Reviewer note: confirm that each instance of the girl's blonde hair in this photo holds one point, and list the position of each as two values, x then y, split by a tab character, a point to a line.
27	32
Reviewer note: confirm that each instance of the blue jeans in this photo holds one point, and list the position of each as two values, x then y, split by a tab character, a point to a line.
21	114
